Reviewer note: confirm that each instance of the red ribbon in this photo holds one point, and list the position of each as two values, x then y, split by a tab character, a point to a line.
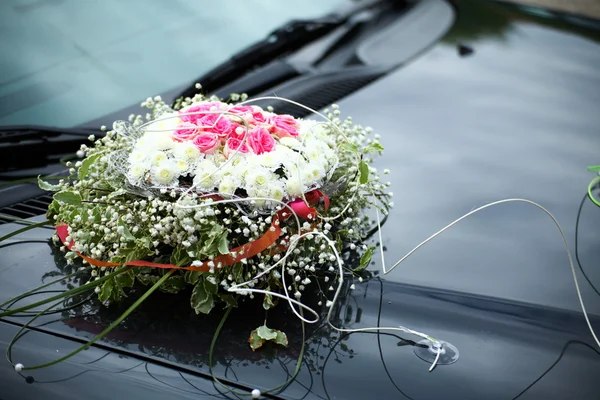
247	250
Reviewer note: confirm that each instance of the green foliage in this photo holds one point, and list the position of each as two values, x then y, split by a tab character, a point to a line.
263	334
363	167
202	299
85	166
48	186
365	259
67	197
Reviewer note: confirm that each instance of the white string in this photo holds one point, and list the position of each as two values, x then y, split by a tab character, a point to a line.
562	234
435	343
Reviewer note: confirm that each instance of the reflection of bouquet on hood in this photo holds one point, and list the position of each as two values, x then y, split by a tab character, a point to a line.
231	199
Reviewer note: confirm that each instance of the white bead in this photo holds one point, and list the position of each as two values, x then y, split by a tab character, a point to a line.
256	394
19	367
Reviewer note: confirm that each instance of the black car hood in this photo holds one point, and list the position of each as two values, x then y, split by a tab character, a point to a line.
517	117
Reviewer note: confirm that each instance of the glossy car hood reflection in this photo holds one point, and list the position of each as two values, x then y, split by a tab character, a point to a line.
516	118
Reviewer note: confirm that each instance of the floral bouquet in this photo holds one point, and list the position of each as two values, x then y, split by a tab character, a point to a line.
227	198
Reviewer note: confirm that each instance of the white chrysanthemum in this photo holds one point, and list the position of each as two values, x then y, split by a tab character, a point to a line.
313	173
155	141
165	123
271	159
257	178
137	172
164	174
290	142
228	185
294	184
310	128
183	167
313	154
186	151
157	157
276	191
206	174
217	158
137	156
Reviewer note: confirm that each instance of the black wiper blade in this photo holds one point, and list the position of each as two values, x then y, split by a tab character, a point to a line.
289	38
20	133
282	41
30	146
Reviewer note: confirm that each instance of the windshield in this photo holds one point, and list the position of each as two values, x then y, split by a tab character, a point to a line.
66	62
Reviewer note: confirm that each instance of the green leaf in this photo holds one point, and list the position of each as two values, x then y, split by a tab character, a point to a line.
281	338
363	167
68	197
47	186
173	284
126	279
106	290
147	279
223	246
202	300
266	333
349	147
373	147
85	166
255	340
117	193
191	277
365	259
126	233
144	242
53	209
229	299
594	168
180	257
268	301
262	334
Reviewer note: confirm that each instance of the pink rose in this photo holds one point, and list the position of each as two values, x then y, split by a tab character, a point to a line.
215	123
259	118
241	110
284	126
185	131
207	143
199	111
260	140
238	131
234	144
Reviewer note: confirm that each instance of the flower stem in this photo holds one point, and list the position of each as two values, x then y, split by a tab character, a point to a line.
101	334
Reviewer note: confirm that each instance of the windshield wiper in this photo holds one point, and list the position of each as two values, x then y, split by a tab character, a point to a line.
284	40
18	133
28	146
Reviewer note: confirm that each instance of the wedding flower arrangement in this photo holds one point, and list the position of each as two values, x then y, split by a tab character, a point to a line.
226	198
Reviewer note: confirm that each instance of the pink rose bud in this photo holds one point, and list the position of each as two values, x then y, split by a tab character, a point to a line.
194	113
241	110
284	126
260	140
238	131
259	118
216	123
185	131
234	144
207	143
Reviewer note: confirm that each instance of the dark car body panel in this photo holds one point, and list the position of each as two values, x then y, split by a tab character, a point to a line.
517	117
